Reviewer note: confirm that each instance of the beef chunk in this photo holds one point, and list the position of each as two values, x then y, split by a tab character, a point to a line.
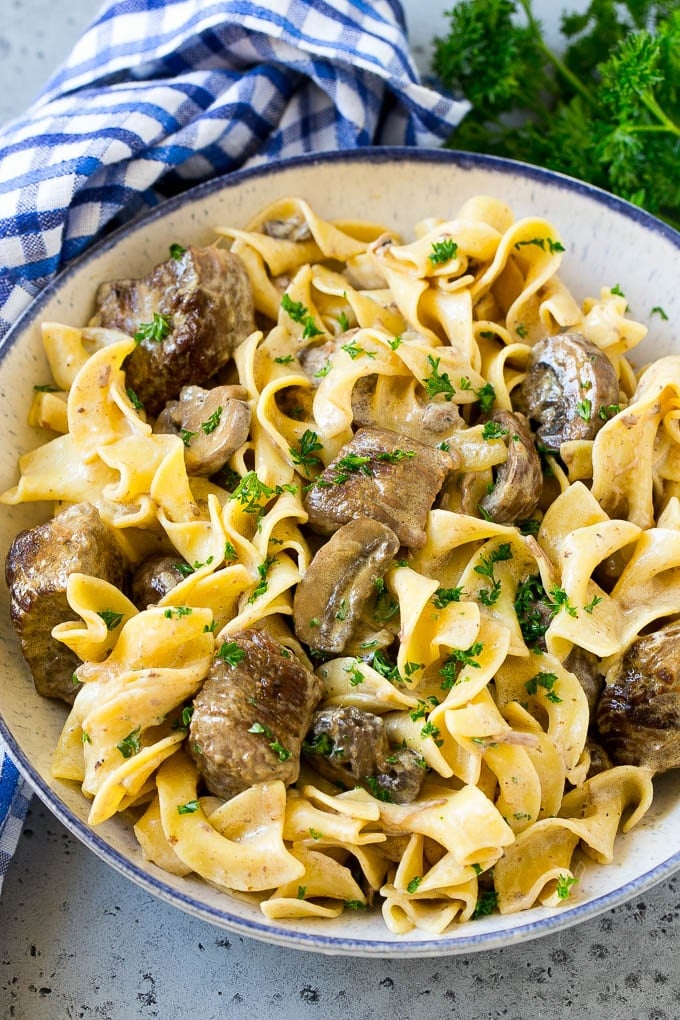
383	475
251	714
206	300
37	570
638	715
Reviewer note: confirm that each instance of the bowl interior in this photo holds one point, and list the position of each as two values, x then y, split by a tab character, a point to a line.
608	242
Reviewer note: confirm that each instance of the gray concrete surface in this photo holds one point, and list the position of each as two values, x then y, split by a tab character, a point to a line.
79	941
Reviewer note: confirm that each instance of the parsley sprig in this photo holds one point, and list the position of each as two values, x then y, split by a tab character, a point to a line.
607	110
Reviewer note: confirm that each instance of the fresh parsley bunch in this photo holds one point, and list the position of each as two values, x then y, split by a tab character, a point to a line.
607	110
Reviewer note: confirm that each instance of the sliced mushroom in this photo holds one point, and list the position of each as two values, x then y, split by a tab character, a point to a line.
638	716
348	745
331	595
384	475
586	667
213	424
155	577
518	481
567	383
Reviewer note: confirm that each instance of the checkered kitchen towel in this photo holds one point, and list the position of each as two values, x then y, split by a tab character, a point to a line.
160	94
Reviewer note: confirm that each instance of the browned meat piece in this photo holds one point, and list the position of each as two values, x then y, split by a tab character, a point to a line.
213	424
348	745
599	759
518	481
331	596
567	383
383	475
638	716
155	577
37	570
251	714
206	303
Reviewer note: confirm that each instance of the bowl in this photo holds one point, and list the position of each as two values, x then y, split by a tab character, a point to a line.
608	242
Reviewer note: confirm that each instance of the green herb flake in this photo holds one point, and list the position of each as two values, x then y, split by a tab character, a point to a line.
189	808
176	251
493	430
231	653
212	422
305	454
584	409
443	596
131	744
564	884
546	682
413	884
486	904
284	359
111	619
438	382
443	251
155	331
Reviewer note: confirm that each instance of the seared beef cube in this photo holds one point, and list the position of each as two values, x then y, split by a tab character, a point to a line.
350	746
206	303
251	714
383	475
37	570
638	716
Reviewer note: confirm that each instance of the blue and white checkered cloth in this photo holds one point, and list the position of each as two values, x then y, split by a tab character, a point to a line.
160	94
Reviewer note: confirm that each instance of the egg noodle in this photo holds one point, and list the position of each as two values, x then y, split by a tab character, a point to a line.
508	808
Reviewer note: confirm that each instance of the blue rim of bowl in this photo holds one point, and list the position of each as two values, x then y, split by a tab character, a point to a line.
566	916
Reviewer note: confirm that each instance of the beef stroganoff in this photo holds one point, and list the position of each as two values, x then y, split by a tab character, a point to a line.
362	566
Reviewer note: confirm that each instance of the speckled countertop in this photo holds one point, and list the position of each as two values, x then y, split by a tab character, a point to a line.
77	940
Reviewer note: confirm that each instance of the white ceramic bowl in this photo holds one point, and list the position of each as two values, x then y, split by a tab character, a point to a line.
608	242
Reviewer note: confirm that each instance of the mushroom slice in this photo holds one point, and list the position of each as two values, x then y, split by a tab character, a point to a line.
154	577
212	423
518	481
348	745
333	591
568	380
638	715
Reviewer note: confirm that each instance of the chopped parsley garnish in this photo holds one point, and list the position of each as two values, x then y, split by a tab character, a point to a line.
131	744
343	321
177	611
486	395
438	382
299	313
262	585
111	619
323	371
230	552
547	682
281	752
322	744
355	351
315	834
351	463
211	423
381	664
395	342
45	388
156	330
188	808
443	251
489	596
376	790
231	653
493	430
561	601
284	359
595	601
414	883
616	289
430	730
177	250
658	310
541	242
522	330
356	677
443	596
134	399
301	892
305	455
608	411
394	456
186	435
457	659
486	904
251	492
564	884
584	409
